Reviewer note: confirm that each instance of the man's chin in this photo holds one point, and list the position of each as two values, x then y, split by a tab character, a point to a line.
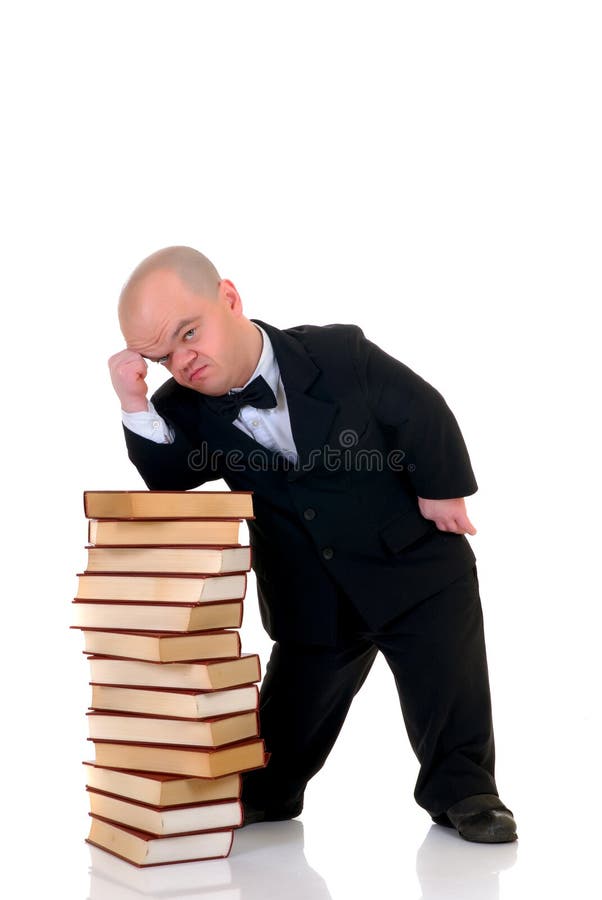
202	382
202	387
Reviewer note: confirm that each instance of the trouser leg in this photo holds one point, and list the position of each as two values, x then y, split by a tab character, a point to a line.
305	696
437	654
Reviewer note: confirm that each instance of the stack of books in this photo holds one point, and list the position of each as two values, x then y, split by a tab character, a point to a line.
174	711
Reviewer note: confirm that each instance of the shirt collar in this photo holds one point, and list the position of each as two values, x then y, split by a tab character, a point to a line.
267	365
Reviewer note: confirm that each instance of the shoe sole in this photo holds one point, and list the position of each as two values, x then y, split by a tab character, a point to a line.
501	838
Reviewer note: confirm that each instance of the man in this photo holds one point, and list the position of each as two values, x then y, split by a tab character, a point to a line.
359	473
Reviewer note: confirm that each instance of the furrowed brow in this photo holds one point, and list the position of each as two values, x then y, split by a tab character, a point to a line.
181	325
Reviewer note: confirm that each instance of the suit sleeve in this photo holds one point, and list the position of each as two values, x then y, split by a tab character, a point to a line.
435	458
179	466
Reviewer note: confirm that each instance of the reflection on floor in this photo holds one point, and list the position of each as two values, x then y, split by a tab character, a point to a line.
268	863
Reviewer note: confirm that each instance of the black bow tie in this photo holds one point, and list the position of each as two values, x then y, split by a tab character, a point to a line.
258	394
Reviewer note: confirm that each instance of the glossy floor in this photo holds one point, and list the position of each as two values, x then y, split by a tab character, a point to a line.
360	835
313	859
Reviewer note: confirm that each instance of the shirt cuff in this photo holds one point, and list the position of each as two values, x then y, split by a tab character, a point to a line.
148	425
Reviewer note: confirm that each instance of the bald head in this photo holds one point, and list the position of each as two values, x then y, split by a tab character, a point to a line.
192	268
175	309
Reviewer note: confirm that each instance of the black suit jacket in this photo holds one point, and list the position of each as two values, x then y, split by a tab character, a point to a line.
371	436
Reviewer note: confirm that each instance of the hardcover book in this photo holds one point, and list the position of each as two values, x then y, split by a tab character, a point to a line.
143	849
184	703
196	560
144	729
160	646
168	504
195	761
160	789
157	616
151	532
202	675
138	588
166	820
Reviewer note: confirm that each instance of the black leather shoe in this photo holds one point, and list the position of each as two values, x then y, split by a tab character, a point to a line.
252	815
483	818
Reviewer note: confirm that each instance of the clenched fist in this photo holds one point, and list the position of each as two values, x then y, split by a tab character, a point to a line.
128	371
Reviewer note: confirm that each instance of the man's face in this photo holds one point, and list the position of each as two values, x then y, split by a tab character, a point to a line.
196	338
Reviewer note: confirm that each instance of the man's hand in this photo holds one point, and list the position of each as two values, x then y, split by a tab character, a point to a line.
448	515
128	371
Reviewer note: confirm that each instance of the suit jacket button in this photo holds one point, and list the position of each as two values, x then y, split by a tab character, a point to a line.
327	552
309	514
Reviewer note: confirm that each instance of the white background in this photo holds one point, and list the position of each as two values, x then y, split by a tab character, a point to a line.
428	170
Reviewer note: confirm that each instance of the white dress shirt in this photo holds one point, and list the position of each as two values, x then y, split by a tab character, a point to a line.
269	427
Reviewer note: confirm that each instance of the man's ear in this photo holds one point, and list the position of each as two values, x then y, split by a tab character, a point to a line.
228	292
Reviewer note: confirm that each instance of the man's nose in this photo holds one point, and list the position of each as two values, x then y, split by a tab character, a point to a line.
183	356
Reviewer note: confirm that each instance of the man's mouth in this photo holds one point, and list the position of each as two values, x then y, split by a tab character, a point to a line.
197	373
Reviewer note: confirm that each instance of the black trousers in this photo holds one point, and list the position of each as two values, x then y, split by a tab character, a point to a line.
436	652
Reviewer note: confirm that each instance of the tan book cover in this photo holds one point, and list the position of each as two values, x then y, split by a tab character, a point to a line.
183	819
175	588
203	675
143	849
150	532
159	789
199	762
162	560
157	616
161	646
145	729
184	703
168	504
